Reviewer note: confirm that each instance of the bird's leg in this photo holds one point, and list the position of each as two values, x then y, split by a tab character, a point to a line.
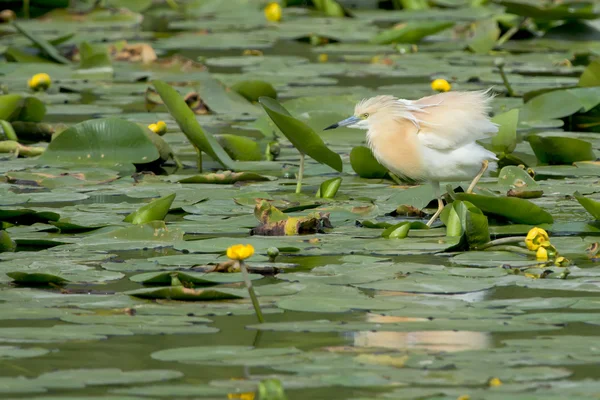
484	167
436	191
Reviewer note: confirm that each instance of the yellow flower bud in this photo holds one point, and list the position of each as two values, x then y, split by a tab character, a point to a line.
464	397
160	128
535	237
39	82
562	262
494	382
441	85
541	254
323	57
273	12
240	251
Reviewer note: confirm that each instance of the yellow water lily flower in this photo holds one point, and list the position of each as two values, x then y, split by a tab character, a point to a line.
240	251
40	82
441	85
494	382
535	237
273	12
242	396
541	254
160	128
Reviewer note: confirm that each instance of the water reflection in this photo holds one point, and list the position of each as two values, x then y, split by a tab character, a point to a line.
449	341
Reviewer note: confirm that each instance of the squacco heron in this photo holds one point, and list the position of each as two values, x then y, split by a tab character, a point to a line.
432	139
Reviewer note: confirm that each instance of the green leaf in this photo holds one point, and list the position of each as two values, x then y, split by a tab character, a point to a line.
329	188
240	148
156	210
46	47
506	138
485	36
14	107
512	177
36	279
591	206
304	139
557	150
6	242
560	103
191	278
93	56
225	178
550	11
183	294
465	219
365	164
104	141
189	125
331	8
512	208
411	32
254	89
591	75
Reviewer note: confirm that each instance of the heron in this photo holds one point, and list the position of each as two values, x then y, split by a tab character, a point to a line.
432	139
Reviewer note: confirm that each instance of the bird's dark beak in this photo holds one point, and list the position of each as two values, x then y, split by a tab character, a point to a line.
346	122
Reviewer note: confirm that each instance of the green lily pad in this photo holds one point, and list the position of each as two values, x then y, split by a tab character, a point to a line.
156	210
557	150
106	141
365	164
512	208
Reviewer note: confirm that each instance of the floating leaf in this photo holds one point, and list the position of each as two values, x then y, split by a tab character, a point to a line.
512	177
191	278
240	148
560	103
104	141
591	206
551	11
485	35
189	125
411	32
506	138
46	47
304	139
591	75
557	150
254	89
365	164
401	229
156	210
225	178
329	188
36	279
331	8
14	107
6	242
183	294
514	209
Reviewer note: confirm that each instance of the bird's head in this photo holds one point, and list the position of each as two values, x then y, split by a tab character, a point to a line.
367	111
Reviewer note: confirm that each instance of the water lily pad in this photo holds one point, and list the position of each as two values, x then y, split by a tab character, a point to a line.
107	142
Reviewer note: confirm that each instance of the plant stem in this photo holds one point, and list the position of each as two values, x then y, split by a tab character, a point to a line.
509	33
506	240
514	249
26	8
511	92
300	174
177	161
253	297
172	4
198	159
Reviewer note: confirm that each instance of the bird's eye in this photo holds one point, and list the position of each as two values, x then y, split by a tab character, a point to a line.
365	115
